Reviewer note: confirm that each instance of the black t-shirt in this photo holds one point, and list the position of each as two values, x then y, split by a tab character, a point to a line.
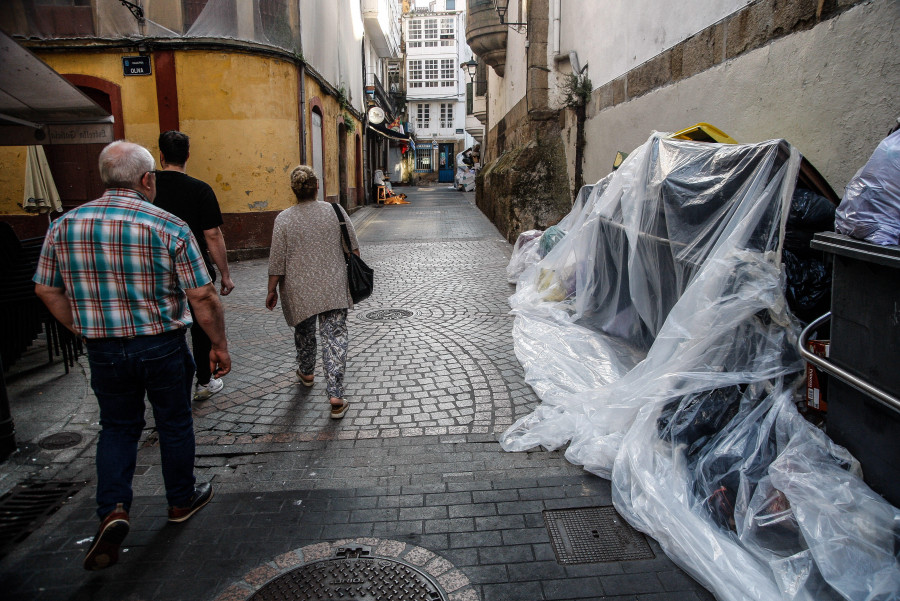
191	199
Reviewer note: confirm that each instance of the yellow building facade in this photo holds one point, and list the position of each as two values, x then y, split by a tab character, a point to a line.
247	110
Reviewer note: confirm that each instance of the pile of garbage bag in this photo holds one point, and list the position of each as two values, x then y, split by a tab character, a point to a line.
870	209
658	334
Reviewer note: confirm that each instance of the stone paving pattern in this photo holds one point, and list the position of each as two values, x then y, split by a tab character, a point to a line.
414	464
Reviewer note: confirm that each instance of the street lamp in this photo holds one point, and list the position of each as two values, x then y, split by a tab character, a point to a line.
470	66
502	6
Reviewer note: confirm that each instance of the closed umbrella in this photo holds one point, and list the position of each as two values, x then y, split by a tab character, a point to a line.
41	195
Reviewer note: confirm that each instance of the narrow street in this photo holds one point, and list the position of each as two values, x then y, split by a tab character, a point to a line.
413	472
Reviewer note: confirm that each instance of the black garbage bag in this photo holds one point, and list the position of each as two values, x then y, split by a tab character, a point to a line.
807	271
808	285
691	420
734	461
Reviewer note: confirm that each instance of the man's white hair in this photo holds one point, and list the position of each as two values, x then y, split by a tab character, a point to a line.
123	164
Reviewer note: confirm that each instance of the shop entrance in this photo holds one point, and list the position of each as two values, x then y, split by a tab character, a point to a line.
445	163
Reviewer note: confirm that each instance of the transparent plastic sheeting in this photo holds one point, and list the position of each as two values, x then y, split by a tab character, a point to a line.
657	335
245	20
527	250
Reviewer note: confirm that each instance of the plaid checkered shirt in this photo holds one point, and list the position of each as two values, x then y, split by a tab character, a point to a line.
124	264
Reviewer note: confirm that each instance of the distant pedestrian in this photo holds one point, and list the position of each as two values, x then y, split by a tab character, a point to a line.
381	178
307	265
194	201
115	271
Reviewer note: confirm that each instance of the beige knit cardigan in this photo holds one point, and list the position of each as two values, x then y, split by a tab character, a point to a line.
306	250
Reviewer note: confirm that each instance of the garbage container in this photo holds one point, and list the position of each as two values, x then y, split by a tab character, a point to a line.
865	341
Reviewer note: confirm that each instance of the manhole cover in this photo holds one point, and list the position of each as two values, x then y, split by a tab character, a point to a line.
27	506
594	534
353	574
389	314
60	440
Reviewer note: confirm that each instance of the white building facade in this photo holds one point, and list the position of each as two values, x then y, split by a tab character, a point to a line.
385	148
436	86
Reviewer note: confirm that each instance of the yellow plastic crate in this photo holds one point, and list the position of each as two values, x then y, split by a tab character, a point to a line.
704	132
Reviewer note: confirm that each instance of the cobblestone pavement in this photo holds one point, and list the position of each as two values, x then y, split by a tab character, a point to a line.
412	472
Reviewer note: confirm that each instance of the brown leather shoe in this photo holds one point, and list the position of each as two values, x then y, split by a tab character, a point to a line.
202	494
104	550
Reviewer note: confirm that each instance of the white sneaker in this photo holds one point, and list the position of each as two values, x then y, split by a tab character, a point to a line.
202	393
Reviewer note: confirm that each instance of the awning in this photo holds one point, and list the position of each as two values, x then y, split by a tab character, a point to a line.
38	106
391	134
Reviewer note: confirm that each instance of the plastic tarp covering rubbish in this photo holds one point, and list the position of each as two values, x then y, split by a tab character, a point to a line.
531	247
658	335
870	209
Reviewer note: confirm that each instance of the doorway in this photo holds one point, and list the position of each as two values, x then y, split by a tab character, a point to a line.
445	162
342	165
317	153
75	167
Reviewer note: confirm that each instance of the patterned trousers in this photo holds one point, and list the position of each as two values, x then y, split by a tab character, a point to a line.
333	330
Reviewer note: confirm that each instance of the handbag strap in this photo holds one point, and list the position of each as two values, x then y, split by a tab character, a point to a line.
340	216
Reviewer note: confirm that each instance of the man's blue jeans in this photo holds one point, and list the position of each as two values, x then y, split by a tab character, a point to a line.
122	371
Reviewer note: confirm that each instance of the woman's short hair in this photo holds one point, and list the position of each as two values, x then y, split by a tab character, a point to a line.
123	164
304	182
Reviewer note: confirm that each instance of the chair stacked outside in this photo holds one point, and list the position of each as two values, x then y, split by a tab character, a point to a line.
23	317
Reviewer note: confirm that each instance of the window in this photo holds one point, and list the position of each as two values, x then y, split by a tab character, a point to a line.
190	10
451	5
275	22
393	77
423	73
448	73
446	115
62	18
415	74
431	73
448	31
415	33
423	157
423	117
431	32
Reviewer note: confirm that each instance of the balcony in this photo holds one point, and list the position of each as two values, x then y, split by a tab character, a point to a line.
375	92
378	23
485	35
475	128
479	108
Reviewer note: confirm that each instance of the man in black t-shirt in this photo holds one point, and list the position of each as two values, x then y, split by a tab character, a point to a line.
195	202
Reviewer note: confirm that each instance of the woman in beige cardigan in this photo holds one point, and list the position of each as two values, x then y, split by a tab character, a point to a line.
307	266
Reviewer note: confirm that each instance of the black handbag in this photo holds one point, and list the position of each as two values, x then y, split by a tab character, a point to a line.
360	277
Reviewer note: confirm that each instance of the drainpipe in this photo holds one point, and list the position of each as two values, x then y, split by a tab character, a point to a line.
302	102
580	117
554	35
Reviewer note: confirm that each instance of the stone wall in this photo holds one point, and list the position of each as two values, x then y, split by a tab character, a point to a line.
526	185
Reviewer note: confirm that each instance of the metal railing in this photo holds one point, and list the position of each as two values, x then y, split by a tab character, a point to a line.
853	380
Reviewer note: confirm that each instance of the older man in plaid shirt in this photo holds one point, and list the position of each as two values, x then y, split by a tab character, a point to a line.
119	271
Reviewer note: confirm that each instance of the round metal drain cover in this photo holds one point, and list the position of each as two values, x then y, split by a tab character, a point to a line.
389	314
361	578
60	440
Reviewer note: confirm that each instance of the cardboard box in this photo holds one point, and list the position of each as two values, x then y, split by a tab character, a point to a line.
816	380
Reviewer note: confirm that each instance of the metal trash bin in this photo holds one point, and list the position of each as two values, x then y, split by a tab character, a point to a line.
863	407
